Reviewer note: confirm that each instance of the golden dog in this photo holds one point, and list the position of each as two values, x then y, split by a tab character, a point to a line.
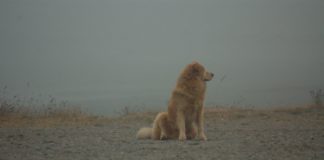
185	116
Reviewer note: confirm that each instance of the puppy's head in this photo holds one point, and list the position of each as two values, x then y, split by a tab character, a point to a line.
197	71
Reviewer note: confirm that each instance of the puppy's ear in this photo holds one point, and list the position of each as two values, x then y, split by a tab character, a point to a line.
195	67
193	70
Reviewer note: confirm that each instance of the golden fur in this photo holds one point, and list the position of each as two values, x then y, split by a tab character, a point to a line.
184	119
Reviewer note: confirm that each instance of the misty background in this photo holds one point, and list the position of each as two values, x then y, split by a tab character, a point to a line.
105	55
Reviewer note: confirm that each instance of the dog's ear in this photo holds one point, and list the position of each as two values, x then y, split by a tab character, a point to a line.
193	70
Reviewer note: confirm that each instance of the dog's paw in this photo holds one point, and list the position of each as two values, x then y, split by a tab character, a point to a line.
191	136
203	137
182	137
163	137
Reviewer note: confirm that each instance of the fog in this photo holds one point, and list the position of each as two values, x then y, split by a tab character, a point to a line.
105	55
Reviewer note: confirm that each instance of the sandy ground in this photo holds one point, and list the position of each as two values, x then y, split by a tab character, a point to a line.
296	134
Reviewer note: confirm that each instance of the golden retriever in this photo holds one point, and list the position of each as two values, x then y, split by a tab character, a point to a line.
185	116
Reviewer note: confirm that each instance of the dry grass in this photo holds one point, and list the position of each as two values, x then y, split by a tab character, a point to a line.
18	111
24	112
232	113
15	112
74	117
227	113
67	117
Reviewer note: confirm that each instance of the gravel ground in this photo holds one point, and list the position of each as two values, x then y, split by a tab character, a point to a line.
241	134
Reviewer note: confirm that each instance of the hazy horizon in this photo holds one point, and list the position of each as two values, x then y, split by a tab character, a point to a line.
109	54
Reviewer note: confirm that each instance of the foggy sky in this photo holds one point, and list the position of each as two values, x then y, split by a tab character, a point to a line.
126	52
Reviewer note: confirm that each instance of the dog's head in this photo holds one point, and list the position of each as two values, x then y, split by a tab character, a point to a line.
197	71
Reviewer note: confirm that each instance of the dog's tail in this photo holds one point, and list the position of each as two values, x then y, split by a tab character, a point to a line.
144	133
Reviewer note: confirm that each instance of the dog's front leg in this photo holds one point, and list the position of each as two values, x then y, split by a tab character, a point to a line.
181	126
200	123
191	130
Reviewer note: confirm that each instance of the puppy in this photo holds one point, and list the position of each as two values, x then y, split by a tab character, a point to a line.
185	116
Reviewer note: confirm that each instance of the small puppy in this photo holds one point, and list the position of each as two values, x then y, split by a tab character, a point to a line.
185	116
